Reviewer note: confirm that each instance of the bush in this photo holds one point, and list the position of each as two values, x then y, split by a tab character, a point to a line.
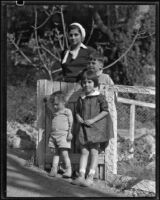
21	104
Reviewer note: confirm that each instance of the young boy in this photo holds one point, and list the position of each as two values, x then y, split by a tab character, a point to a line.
95	64
60	136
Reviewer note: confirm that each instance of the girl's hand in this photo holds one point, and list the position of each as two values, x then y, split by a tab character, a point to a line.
79	119
89	122
69	137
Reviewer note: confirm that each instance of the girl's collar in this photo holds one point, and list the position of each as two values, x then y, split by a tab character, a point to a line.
95	93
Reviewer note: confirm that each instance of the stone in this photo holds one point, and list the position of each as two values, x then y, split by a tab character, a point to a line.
145	185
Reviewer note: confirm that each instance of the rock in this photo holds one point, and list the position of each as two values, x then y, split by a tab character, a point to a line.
23	135
145	185
16	142
120	181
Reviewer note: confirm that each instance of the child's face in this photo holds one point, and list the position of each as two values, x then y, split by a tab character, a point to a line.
95	65
58	105
88	86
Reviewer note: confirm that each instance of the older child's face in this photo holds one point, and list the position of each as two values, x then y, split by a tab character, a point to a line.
88	86
75	37
95	65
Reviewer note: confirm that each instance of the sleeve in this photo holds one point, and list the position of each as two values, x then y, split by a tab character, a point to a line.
108	80
70	119
103	103
78	106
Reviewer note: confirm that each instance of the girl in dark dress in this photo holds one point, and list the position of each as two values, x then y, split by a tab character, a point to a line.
75	59
91	113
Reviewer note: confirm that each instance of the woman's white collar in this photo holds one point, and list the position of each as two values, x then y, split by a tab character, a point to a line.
73	52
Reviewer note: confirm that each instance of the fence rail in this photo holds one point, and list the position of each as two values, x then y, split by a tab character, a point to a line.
45	88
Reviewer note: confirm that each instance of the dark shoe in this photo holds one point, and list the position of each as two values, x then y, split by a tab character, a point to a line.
89	181
79	180
53	172
67	173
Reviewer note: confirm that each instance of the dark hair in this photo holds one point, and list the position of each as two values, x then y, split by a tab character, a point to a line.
90	75
71	27
96	56
59	95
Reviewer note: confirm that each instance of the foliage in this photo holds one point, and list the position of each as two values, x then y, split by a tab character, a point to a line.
21	104
41	34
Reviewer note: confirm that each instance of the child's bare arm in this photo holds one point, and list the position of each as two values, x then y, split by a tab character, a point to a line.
70	123
97	118
79	118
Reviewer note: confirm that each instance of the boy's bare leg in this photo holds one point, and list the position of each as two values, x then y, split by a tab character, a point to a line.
55	163
65	156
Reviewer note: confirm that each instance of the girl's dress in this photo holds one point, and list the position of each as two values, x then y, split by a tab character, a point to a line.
89	107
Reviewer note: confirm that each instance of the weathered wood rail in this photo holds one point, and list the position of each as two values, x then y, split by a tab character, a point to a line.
107	160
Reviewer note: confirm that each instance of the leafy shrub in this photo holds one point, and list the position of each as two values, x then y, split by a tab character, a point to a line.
21	104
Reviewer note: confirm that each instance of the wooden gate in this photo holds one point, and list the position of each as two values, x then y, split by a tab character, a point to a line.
107	160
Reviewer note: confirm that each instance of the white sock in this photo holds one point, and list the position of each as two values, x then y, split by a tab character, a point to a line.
92	171
82	170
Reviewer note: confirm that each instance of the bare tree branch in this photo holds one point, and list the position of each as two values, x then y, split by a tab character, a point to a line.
102	26
64	28
125	53
142	37
48	51
19	50
91	32
38	47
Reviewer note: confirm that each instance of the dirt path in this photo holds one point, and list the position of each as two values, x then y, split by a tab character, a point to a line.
30	182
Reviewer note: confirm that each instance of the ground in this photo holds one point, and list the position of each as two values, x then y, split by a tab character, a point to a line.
30	182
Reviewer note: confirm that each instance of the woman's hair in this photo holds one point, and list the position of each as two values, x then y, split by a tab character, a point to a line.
57	95
71	27
90	75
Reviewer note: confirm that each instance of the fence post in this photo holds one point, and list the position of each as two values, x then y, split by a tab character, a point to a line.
132	129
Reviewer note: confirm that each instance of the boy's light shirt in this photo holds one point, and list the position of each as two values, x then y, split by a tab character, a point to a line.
73	52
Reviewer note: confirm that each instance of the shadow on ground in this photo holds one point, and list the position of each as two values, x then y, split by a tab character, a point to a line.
30	182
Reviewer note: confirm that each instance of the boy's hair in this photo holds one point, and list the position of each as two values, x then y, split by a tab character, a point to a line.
96	56
59	95
90	75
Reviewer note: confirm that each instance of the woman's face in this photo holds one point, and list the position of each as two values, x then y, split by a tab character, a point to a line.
75	37
88	86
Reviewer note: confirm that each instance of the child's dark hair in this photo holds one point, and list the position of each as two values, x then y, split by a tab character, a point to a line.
90	75
97	56
59	95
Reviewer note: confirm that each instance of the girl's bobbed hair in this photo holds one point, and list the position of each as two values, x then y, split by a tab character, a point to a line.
90	75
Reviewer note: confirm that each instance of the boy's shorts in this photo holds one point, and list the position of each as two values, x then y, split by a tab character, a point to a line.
59	142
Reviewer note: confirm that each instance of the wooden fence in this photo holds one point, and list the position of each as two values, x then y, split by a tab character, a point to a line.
107	160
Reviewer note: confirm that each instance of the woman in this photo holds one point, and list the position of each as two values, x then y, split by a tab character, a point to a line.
75	59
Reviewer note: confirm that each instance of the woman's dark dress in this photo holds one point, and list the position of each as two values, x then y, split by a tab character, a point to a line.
72	68
88	108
